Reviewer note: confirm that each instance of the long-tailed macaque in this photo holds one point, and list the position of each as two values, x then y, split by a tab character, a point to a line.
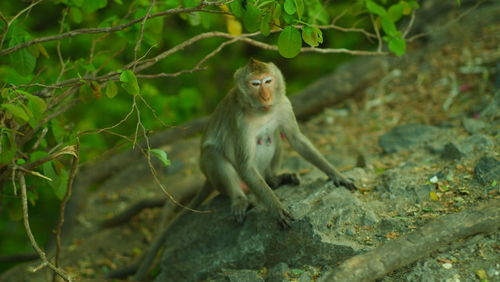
241	146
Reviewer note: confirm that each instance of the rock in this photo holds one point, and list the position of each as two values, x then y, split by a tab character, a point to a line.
207	243
406	136
244	275
492	111
451	152
473	125
475	144
304	277
278	273
487	170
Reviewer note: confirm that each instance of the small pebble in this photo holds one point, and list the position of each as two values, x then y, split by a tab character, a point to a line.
434	179
447	265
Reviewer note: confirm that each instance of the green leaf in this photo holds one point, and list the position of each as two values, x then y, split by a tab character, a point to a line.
129	82
299	4
8	146
37	101
251	18
191	3
91	6
277	11
289	42
35	108
312	36
296	271
236	8
16	111
414	4
161	155
389	26
58	131
375	8
396	44
316	12
395	12
111	89
289	7
265	26
75	15
22	60
61	184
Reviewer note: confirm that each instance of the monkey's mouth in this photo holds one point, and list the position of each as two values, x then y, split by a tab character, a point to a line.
267	108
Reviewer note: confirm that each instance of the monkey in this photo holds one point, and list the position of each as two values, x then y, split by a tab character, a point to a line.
241	146
241	149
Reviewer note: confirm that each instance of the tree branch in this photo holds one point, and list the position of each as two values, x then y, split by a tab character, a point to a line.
40	252
77	32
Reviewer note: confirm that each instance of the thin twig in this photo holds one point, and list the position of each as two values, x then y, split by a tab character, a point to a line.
377	32
347	29
34	244
141	33
410	24
58	47
62	208
163	74
15	18
77	32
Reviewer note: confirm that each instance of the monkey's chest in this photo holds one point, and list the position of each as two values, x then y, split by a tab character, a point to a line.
265	148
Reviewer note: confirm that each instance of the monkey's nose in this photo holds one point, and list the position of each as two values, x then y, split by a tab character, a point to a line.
265	95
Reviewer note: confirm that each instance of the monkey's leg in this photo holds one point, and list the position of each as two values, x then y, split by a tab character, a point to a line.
223	177
273	179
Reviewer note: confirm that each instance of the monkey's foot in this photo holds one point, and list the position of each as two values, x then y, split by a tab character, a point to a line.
284	179
342	181
285	219
239	208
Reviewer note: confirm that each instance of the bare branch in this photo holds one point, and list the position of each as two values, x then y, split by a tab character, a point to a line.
34	244
15	18
410	24
158	75
347	29
69	187
377	32
77	32
141	33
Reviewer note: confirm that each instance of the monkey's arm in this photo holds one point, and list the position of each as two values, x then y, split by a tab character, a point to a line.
245	165
306	149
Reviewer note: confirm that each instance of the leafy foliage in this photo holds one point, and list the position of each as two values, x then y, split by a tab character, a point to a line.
71	81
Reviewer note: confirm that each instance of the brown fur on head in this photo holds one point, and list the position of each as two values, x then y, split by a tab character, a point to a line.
256	66
253	96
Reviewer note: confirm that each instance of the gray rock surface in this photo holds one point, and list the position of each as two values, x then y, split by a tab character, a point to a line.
487	170
406	136
317	237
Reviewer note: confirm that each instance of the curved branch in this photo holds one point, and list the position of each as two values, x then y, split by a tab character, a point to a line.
77	32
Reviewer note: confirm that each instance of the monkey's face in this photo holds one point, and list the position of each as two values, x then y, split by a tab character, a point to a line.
260	83
262	88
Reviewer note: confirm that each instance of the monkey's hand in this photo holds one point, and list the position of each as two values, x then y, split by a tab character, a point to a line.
285	219
340	180
239	208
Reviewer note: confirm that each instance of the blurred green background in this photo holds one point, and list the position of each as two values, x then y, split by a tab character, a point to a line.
175	100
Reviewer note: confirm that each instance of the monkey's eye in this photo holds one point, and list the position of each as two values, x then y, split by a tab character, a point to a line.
267	80
255	82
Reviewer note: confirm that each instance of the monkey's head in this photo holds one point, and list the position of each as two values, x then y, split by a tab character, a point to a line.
261	84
